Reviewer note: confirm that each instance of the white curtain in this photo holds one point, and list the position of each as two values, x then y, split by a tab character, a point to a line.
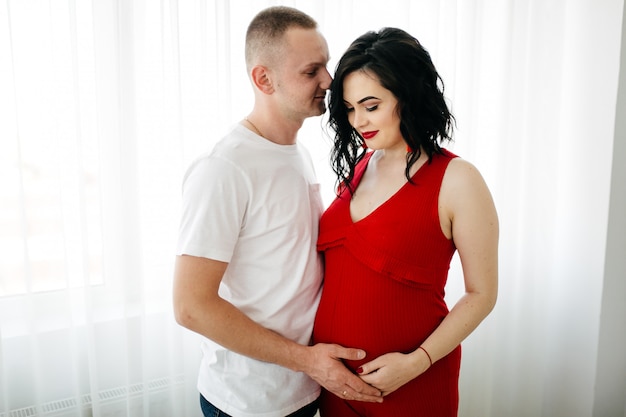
103	103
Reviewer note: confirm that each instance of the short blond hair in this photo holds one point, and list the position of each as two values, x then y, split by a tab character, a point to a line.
265	34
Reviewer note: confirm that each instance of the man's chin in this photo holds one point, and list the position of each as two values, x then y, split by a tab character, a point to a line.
321	109
318	111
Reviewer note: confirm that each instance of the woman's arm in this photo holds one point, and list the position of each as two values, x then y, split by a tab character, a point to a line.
468	216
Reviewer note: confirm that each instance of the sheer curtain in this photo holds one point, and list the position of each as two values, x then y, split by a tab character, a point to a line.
104	103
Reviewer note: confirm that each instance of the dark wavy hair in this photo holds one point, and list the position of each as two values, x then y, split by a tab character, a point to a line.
404	67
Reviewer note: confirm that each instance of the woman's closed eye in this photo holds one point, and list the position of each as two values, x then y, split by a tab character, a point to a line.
368	109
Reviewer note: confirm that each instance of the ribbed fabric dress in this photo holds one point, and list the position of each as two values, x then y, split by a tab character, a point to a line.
384	291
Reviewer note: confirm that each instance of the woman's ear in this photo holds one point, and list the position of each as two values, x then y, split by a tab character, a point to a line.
262	80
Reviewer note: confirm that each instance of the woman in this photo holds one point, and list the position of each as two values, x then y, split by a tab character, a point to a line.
404	205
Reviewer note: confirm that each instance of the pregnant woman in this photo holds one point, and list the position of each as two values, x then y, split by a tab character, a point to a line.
404	205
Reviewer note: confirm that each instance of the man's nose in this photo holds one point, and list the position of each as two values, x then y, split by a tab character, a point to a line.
327	79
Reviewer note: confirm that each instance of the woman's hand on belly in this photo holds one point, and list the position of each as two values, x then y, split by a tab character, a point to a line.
392	370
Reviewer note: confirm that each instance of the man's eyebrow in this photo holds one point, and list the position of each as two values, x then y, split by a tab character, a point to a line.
318	63
367	98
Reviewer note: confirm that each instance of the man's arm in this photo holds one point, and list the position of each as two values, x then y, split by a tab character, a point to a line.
198	307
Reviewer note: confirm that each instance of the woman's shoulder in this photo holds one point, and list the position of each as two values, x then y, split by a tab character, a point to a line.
462	173
462	184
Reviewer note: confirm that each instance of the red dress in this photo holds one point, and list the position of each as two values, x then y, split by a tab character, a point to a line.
384	291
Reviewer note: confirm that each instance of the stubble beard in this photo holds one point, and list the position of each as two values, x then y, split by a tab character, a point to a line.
321	108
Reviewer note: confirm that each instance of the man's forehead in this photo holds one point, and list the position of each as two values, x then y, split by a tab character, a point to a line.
308	46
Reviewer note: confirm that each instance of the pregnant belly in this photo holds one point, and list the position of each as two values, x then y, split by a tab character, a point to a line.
362	309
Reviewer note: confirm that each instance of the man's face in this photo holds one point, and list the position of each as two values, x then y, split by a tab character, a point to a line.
301	77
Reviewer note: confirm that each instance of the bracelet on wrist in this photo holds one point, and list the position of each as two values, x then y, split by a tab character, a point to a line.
427	354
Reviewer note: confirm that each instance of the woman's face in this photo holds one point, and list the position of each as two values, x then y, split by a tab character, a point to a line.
372	111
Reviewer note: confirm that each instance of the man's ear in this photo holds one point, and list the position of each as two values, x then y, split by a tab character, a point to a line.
262	80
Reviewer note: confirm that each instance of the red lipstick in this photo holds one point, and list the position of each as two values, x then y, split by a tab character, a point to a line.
369	135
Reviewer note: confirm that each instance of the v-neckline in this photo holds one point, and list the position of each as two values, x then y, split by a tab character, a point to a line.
357	181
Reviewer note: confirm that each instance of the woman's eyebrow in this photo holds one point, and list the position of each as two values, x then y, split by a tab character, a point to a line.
367	98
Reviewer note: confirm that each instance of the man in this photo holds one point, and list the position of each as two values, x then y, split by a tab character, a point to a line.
248	275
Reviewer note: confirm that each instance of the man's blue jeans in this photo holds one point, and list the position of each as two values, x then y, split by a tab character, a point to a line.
209	410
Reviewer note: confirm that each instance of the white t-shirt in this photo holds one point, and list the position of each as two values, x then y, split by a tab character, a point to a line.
256	205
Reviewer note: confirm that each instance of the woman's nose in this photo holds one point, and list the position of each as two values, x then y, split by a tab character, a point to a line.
358	119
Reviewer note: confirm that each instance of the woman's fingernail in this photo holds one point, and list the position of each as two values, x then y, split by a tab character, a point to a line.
359	370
